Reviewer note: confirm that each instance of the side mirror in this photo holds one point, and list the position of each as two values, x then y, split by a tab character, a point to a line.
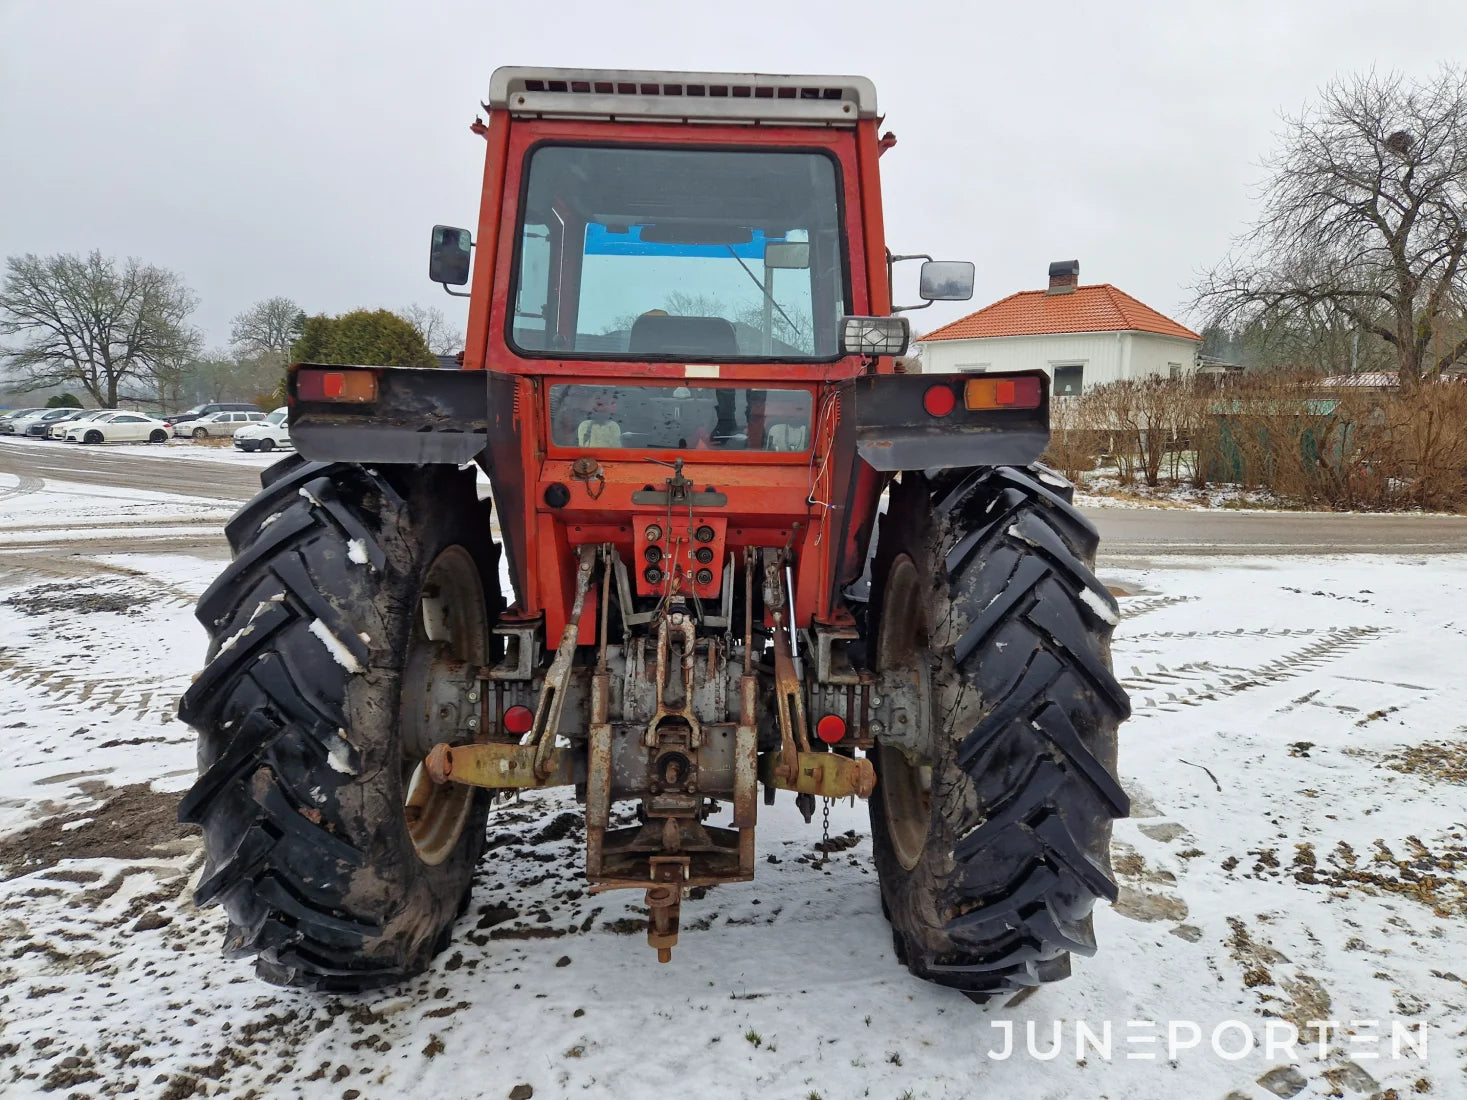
448	256
946	281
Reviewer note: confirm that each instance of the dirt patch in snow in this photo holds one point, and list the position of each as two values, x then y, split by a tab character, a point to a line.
48	599
1434	876
131	822
1442	761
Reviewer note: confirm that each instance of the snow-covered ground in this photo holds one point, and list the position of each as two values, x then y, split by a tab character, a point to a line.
1298	769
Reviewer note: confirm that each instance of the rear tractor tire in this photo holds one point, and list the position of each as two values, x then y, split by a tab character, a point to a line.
992	834
340	864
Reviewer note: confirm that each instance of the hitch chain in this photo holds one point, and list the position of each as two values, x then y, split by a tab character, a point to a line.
825	834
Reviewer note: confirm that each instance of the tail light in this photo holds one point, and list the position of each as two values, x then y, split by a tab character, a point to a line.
939	400
336	385
831	728
1002	393
518	720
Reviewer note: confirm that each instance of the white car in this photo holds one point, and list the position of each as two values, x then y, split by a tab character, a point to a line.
37	426
20	425
268	434
14	416
118	427
58	431
217	424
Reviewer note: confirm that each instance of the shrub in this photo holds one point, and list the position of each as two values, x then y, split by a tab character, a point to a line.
1282	432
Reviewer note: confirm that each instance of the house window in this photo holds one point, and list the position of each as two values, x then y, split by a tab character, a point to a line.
973	368
1175	369
1068	380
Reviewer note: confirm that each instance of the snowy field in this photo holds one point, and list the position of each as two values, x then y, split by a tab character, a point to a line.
1298	852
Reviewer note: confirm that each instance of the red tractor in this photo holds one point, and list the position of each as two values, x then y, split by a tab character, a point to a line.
747	545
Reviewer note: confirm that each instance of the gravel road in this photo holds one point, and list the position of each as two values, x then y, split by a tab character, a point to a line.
125	469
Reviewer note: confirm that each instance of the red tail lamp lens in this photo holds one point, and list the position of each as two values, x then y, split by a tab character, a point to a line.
939	400
831	728
519	719
348	385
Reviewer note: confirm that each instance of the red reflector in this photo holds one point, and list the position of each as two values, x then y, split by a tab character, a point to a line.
519	719
333	384
831	728
939	400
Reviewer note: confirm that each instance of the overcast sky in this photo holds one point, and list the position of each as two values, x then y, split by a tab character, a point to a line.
305	148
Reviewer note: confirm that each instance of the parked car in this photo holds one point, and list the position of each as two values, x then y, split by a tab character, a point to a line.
21	425
59	428
118	427
199	412
8	419
268	434
217	424
41	428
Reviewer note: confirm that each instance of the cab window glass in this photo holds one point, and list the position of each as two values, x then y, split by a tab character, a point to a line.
680	417
657	254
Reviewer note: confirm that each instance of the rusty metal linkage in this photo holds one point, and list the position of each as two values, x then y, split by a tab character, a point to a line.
498	766
552	693
789	694
678	621
822	774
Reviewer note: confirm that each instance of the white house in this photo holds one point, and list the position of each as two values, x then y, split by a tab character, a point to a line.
1081	335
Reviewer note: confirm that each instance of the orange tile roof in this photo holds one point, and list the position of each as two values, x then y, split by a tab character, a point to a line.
1100	308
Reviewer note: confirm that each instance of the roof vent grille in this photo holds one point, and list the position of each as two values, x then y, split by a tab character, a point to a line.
734	97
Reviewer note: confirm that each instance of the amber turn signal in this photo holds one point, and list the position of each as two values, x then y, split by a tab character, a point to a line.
1002	393
336	385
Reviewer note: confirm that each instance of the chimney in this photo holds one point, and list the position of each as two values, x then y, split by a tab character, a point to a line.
1064	277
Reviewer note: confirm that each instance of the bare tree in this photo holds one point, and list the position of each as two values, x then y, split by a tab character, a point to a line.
433	327
86	321
1364	219
172	383
268	327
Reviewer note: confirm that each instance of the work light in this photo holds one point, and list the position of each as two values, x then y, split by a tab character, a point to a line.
874	335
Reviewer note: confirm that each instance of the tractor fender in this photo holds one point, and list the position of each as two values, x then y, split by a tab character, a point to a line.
895	431
418	415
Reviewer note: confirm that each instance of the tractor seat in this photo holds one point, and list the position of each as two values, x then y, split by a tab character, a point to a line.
663	334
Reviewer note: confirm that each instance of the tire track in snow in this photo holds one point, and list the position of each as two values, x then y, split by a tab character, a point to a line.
24	486
1136	606
138	697
1203	681
1240	632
